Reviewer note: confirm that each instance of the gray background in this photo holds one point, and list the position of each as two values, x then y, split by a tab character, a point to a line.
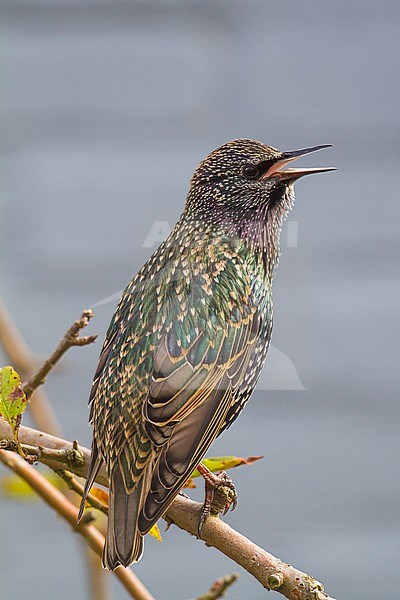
106	109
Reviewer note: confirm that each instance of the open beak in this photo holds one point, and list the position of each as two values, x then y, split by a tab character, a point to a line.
292	174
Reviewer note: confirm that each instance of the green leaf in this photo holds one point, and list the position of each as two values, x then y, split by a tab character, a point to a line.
222	463
12	398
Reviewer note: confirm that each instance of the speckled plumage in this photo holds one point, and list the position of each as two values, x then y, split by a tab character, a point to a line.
188	340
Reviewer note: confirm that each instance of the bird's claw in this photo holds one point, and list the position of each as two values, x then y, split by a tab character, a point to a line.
220	496
205	511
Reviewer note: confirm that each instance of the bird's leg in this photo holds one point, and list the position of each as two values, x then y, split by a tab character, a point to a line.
220	494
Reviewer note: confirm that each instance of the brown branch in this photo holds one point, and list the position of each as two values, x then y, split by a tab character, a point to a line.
48	449
71	338
97	577
69	512
77	487
219	587
71	457
271	572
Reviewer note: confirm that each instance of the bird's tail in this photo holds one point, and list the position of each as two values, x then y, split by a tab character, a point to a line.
124	543
94	467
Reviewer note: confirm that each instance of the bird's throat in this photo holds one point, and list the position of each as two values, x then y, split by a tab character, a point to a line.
251	225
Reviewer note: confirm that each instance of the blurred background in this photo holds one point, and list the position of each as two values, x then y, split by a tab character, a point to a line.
106	109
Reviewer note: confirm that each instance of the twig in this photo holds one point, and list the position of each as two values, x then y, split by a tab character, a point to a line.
271	572
71	457
25	362
71	338
77	487
69	512
52	451
219	587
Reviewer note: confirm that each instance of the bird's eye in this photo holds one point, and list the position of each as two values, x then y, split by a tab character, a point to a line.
251	171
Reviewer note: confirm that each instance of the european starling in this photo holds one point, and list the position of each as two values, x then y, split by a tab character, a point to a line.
189	337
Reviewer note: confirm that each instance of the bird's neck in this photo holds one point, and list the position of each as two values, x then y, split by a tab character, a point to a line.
254	228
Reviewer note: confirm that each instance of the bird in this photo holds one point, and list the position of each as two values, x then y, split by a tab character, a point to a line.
189	338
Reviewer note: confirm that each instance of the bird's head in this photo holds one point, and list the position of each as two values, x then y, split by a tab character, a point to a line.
246	174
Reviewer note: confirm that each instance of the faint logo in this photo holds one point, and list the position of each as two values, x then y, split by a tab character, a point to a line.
279	372
160	230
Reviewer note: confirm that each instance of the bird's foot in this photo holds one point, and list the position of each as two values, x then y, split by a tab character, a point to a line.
220	495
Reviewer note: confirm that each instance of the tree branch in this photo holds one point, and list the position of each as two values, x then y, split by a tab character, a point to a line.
219	587
71	338
69	512
77	487
271	572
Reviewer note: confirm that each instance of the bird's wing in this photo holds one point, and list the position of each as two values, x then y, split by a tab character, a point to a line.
108	344
194	378
118	391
